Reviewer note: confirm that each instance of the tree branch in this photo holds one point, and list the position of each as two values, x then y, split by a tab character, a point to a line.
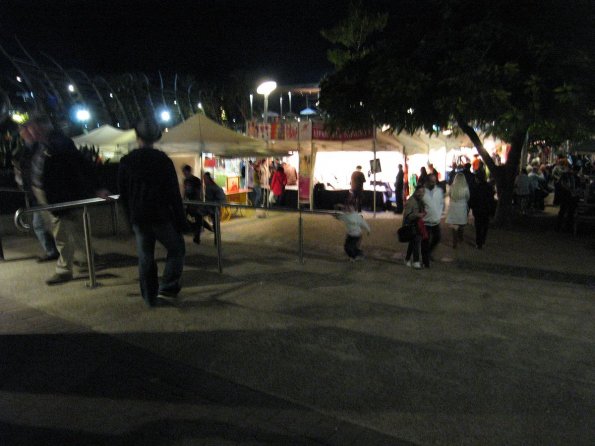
474	137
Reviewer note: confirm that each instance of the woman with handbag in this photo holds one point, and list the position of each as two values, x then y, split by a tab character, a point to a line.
414	212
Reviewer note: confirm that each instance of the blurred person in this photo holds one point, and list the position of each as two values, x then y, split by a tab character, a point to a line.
482	205
278	184
256	184
193	192
458	208
357	187
522	191
433	206
568	197
41	220
399	185
290	173
213	193
423	175
354	223
151	196
60	173
413	212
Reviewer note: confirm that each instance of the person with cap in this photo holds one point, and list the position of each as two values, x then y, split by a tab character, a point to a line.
150	194
60	173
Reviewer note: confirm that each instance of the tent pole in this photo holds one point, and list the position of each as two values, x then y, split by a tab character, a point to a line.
299	157
374	148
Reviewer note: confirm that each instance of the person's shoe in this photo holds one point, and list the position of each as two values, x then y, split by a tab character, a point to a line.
207	226
167	294
360	257
57	279
408	263
196	239
416	265
47	258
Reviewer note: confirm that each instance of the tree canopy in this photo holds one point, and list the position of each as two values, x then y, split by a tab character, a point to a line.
509	68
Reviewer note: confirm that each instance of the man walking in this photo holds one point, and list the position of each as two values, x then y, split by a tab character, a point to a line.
150	193
40	220
399	183
60	173
434	206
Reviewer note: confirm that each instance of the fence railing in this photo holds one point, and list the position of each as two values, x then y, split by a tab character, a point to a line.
112	201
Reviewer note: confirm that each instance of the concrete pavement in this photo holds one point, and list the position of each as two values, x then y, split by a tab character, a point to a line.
485	347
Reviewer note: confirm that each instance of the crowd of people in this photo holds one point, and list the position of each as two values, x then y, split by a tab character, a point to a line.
54	171
424	209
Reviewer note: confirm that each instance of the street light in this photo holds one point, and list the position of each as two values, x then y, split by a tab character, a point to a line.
83	115
165	115
265	89
251	105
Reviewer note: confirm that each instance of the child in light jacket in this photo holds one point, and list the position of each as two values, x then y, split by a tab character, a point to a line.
354	223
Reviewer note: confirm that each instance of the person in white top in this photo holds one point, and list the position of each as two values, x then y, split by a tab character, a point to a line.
434	206
354	223
458	208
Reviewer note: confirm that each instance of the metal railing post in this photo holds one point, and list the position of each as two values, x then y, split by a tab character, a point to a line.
218	237
89	248
1	249
301	236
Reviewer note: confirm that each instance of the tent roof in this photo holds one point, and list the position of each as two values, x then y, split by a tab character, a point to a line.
105	136
199	132
384	142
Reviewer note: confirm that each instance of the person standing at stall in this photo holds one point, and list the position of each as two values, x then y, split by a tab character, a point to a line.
193	192
357	187
151	196
399	183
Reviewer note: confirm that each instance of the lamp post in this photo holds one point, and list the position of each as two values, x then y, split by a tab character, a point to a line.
251	105
265	89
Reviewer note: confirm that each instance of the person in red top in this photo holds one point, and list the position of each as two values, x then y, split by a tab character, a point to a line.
278	185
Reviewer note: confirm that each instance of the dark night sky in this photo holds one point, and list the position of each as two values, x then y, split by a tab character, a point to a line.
208	38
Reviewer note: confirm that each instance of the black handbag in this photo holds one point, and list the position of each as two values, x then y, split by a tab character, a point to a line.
406	233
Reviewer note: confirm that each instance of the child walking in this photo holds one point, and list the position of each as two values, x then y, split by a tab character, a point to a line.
354	223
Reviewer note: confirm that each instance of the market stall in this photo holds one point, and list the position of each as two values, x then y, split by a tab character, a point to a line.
113	143
205	145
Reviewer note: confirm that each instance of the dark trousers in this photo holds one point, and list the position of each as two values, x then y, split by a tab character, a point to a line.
352	246
146	235
399	201
565	219
414	248
482	222
434	233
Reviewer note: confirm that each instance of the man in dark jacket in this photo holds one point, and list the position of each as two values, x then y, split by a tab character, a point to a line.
150	193
193	192
60	173
40	220
399	190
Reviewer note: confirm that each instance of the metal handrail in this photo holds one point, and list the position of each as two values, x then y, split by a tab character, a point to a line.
112	199
22	226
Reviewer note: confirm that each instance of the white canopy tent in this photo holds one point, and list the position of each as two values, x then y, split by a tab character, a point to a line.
199	134
107	138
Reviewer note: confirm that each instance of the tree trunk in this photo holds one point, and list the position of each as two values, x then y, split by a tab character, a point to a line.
504	175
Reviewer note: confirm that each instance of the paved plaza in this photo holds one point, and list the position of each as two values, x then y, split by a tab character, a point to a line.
491	347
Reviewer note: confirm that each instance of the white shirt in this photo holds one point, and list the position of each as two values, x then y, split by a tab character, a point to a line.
434	206
354	223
